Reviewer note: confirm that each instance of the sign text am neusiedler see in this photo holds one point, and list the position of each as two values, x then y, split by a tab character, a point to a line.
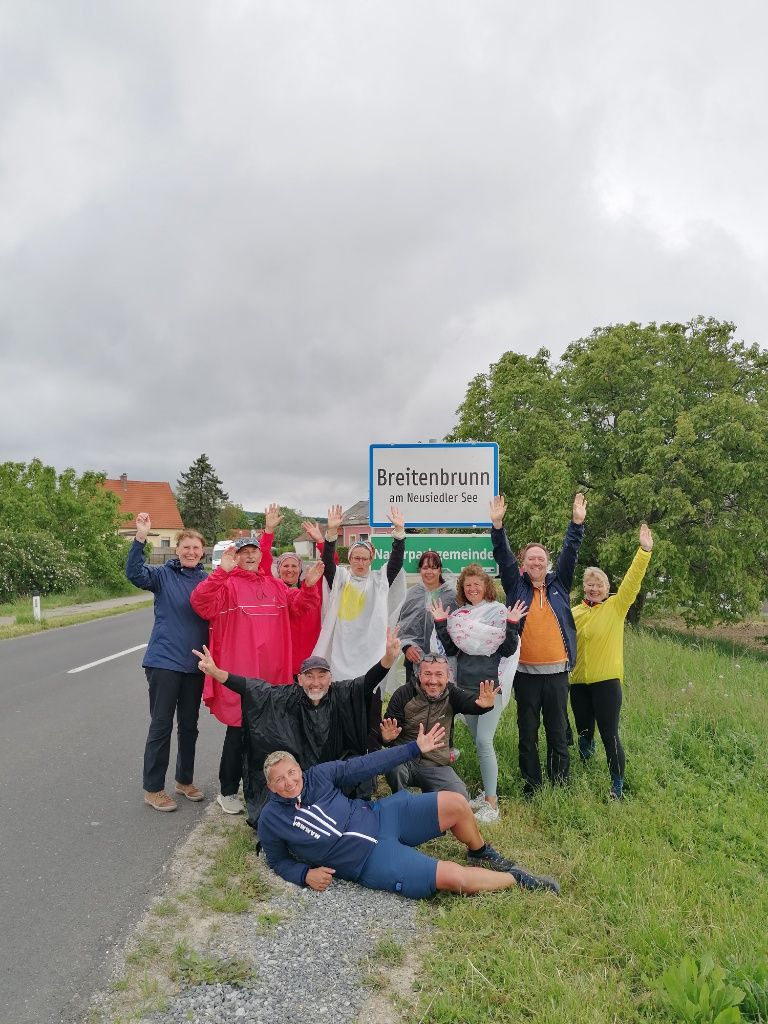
434	485
456	550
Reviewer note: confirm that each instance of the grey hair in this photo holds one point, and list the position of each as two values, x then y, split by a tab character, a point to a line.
277	755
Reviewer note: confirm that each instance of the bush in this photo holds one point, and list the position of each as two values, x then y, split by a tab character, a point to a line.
343	554
34	561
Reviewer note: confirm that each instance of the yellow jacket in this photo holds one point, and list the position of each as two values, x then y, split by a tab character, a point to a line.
600	629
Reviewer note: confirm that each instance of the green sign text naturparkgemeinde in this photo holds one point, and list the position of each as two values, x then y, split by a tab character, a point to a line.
456	550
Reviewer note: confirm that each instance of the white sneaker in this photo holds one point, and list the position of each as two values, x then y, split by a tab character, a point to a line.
230	804
478	801
487	814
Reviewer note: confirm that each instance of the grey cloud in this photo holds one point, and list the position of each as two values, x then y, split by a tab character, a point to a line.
279	232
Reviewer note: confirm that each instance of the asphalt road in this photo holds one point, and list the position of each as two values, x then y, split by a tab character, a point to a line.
80	852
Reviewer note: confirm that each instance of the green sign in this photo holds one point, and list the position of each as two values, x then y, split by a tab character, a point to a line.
455	550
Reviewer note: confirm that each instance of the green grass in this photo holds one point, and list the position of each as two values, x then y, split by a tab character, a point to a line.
26	624
82	595
233	881
681	867
194	969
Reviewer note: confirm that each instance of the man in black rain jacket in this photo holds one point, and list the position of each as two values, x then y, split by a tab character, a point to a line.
314	719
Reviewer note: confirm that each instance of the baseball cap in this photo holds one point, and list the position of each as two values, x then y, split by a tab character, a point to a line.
244	542
314	661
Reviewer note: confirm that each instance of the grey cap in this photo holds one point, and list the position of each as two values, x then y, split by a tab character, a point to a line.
245	542
314	661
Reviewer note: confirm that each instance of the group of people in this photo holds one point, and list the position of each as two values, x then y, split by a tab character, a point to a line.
295	666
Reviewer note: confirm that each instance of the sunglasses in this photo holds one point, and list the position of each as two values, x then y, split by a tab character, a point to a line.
438	658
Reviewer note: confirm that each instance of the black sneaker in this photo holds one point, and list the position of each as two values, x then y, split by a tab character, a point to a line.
489	858
528	881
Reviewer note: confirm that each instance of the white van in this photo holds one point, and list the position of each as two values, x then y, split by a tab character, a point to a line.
218	550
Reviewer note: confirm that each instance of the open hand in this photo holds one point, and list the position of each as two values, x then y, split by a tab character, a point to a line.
310	527
335	515
396	517
579	508
432	740
313	574
272	518
389	729
498	509
439	613
646	538
518	611
228	559
488	692
319	878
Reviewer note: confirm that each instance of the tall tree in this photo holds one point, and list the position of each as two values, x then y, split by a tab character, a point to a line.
202	498
667	424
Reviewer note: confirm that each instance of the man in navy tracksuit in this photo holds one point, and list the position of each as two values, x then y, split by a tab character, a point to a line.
311	831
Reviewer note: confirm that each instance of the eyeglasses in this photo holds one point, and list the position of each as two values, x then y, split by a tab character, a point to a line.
438	658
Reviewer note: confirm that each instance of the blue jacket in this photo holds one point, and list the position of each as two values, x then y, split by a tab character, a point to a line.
518	587
323	827
177	628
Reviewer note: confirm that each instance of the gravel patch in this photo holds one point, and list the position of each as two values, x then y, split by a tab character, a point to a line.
310	967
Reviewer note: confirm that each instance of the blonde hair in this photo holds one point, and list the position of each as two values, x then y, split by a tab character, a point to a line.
272	759
592	570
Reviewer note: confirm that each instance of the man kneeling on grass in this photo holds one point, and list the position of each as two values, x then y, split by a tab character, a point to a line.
311	831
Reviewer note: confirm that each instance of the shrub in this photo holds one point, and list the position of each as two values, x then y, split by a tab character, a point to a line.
34	561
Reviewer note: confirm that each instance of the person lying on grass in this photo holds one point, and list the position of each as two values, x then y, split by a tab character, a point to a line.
310	831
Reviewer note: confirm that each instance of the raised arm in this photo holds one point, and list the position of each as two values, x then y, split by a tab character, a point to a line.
509	570
140	574
574	535
335	515
633	578
397	554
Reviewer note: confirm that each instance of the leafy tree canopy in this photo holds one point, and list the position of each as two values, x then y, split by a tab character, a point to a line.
76	512
202	499
665	424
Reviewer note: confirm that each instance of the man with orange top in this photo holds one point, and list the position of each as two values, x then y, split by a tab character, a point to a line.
547	641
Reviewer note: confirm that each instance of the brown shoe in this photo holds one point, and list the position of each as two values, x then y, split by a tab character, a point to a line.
160	801
191	792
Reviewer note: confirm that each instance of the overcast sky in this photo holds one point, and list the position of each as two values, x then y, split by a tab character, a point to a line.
277	232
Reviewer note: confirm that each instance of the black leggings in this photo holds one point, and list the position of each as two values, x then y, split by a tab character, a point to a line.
599	703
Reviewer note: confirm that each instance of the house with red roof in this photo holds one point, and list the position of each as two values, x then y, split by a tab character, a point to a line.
154	497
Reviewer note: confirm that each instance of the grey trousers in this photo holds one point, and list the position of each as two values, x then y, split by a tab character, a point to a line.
430	778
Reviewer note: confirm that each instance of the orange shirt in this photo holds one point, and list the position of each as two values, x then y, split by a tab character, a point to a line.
541	642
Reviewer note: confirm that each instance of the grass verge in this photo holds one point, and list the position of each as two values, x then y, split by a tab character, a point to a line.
681	867
28	625
220	875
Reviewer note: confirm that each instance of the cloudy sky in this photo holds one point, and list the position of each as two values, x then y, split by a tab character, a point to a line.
276	232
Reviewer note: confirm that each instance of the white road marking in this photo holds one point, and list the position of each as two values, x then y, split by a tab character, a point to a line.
93	664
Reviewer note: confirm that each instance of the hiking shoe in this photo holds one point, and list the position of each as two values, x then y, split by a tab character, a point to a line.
487	814
477	802
160	801
489	858
528	881
230	804
190	791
